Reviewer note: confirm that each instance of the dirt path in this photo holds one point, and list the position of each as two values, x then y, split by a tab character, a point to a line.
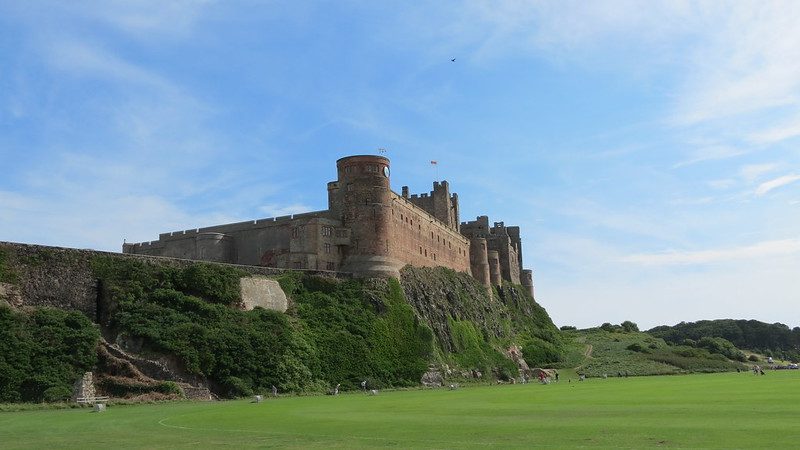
588	352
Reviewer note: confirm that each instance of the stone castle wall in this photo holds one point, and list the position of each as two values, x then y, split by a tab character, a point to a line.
37	275
420	240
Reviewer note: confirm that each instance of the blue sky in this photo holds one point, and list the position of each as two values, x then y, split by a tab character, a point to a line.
648	150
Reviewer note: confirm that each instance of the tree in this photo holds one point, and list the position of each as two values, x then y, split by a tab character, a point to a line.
629	326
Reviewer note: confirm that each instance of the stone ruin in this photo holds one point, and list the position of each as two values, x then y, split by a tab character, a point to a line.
84	388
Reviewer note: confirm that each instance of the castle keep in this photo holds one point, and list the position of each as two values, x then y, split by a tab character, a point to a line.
367	230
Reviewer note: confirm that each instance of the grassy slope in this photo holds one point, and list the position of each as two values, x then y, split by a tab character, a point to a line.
727	410
609	354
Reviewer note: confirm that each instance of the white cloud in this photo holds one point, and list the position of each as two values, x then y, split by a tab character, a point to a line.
710	153
767	186
759	250
790	128
752	172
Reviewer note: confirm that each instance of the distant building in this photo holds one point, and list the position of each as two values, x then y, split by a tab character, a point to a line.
367	230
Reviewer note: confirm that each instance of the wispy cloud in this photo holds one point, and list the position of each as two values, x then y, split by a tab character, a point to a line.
767	186
82	58
710	153
789	129
752	172
754	251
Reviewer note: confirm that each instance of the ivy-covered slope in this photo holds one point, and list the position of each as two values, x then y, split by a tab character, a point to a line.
43	352
335	331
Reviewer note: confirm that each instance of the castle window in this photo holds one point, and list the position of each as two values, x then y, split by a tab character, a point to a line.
331	266
348	169
434	256
426	252
449	245
349	188
420	250
437	238
327	247
370	168
327	231
431	235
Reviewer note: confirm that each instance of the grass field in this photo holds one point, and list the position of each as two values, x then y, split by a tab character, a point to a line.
727	410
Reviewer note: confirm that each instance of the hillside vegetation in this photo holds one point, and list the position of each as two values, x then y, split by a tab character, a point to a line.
43	352
774	339
189	319
596	352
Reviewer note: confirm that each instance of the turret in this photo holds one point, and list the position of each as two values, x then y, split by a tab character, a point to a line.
479	260
527	281
216	247
363	184
494	268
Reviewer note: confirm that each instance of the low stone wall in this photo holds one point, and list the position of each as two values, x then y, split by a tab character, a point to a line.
37	275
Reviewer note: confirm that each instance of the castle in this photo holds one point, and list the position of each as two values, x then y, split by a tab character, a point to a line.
367	230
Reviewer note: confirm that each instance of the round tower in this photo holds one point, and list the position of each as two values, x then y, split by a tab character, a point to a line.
527	280
479	260
366	204
494	268
217	247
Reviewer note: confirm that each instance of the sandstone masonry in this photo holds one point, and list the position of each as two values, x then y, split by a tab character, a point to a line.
368	230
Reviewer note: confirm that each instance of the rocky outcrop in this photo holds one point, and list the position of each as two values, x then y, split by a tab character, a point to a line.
438	294
432	378
123	370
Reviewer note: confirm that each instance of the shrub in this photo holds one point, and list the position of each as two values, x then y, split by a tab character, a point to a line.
43	352
637	347
629	327
568	328
57	394
753	358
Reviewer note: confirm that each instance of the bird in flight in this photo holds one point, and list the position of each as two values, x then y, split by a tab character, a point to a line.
453	60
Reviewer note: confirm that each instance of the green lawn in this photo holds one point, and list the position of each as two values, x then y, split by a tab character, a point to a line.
727	410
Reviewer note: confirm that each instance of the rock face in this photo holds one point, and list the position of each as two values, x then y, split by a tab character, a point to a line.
432	378
9	295
438	294
263	292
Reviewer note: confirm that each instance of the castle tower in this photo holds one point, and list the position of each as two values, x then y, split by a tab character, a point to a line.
365	197
216	247
479	260
527	281
494	268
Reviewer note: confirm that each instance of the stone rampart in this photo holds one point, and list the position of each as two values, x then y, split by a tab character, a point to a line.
37	275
